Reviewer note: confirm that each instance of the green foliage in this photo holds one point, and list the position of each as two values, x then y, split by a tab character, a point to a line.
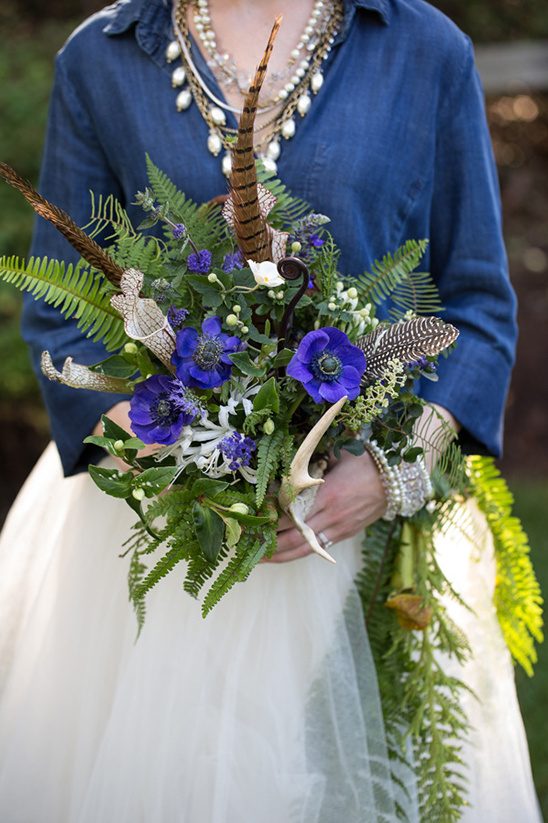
268	458
250	549
518	598
420	701
391	272
76	291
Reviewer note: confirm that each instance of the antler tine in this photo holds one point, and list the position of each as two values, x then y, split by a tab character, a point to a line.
300	479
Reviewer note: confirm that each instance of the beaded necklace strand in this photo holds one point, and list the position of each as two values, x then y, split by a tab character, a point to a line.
303	76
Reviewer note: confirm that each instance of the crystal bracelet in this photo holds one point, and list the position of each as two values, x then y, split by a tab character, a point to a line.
407	485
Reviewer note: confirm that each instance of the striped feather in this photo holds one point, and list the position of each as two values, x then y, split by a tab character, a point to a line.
84	245
407	342
249	221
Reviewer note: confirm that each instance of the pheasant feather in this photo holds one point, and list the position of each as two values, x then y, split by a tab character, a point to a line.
407	342
248	217
84	245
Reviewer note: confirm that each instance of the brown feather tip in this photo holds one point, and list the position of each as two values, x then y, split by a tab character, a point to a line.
79	240
249	222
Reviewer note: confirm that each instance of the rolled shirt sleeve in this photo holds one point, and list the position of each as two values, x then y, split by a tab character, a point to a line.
468	260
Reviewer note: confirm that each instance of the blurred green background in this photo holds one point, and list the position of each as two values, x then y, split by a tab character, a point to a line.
30	33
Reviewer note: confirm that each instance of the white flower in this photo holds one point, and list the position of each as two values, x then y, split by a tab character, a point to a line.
199	444
240	393
266	273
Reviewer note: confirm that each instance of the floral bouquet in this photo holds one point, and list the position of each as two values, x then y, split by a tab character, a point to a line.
251	362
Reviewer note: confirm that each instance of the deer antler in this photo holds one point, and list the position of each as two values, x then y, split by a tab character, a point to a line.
290	496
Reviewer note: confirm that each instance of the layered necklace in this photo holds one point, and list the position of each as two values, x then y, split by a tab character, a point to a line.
289	92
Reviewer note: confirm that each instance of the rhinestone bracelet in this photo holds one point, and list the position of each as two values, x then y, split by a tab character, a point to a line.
407	485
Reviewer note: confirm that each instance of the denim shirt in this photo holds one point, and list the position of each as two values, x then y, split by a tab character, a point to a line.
395	147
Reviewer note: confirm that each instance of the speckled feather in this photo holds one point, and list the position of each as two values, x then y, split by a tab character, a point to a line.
407	342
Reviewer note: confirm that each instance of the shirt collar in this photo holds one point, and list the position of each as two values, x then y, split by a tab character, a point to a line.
382	7
127	12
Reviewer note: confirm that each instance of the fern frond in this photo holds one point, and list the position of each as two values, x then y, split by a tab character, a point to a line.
518	598
205	223
268	457
327	266
76	291
251	548
388	274
416	293
108	215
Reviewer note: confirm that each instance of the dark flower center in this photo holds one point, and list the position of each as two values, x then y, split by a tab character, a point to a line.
326	366
208	352
164	411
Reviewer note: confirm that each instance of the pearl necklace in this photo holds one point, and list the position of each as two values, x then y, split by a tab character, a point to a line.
305	77
224	65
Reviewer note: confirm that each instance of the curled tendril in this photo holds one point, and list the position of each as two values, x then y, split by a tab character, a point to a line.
291	268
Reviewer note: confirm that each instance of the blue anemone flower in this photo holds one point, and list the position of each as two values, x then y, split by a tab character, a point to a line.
328	365
159	408
202	360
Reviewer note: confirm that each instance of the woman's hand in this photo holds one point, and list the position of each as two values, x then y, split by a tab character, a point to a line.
351	498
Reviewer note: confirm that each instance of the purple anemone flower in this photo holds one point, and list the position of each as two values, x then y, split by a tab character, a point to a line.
159	408
202	360
328	365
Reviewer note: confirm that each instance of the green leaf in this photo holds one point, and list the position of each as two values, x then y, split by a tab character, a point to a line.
267	397
282	358
242	362
349	444
258	337
410	455
113	430
111	481
233	532
209	529
250	519
206	486
154	480
115	366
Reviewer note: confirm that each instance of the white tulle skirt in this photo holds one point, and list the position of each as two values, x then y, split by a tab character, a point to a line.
265	712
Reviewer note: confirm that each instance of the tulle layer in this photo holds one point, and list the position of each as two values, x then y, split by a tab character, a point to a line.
266	711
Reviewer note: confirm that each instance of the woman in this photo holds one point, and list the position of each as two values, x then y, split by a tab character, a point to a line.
193	723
